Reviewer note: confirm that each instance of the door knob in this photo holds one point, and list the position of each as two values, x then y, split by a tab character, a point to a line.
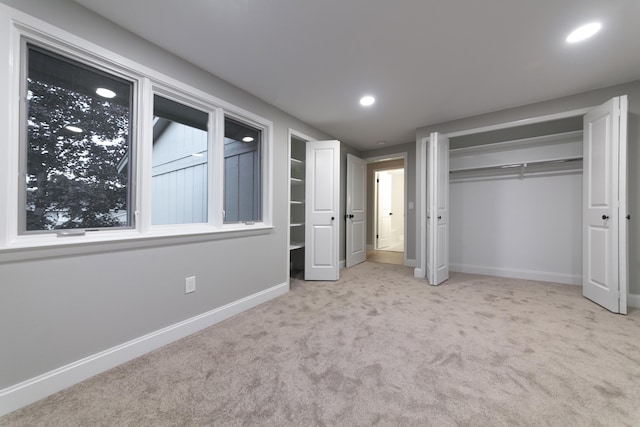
351	216
605	217
332	218
439	217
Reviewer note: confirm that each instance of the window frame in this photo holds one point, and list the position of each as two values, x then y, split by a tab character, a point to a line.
262	151
23	138
25	29
213	112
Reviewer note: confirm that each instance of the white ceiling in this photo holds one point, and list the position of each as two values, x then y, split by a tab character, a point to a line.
425	61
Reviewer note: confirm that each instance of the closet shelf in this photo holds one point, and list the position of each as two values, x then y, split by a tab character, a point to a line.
297	202
296	161
518	165
296	181
297	224
564	146
296	245
520	170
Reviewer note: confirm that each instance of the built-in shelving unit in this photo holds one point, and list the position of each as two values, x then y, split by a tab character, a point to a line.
296	202
297	205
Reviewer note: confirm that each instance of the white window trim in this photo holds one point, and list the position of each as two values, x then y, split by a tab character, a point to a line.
265	164
13	246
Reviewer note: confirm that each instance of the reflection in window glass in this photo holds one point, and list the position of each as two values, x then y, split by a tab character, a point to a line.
179	174
242	176
77	140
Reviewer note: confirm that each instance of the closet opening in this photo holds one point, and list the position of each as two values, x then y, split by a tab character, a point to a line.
528	223
516	202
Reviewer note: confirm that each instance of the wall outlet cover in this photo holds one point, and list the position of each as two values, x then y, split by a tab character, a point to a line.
190	284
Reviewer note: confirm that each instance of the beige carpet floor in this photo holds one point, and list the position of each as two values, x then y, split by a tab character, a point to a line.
380	347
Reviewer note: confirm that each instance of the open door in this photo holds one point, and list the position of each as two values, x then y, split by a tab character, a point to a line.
604	256
383	226
322	206
356	216
437	209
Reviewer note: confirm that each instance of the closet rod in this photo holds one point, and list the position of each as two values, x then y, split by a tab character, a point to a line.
517	165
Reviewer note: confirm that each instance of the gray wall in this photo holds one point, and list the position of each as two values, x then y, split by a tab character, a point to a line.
587	99
58	309
410	172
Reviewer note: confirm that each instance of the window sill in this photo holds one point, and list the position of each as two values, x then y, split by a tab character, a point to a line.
47	246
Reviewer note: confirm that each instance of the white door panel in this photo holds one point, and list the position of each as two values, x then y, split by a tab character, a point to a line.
604	205
437	209
322	205
323	237
384	189
356	211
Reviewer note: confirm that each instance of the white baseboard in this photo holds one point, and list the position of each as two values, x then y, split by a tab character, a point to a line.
410	263
543	276
633	300
34	389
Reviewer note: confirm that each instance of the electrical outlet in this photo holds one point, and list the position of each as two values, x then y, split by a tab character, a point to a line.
190	284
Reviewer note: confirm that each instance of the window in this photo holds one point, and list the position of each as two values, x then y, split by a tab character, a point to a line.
179	163
242	172
77	127
105	149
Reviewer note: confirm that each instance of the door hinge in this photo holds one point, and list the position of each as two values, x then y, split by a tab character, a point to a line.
376	236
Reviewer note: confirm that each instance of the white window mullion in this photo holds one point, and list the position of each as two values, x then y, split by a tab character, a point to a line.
10	163
267	176
216	168
144	151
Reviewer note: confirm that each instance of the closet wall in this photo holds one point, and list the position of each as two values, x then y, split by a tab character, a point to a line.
513	227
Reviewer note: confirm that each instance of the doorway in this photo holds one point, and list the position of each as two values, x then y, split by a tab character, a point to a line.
389	212
387	228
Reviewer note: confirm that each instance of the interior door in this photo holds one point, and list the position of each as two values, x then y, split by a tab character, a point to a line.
437	209
322	206
383	197
356	216
397	210
604	261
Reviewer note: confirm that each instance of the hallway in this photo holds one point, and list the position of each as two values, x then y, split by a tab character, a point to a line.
386	257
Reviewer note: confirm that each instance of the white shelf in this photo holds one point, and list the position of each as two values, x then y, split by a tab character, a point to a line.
300	224
296	181
297	202
296	161
295	245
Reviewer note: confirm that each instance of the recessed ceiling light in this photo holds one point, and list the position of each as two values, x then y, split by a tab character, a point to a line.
105	93
584	32
73	128
247	139
367	100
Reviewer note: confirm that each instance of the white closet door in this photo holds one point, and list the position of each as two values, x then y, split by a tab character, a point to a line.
322	206
437	209
604	206
356	211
